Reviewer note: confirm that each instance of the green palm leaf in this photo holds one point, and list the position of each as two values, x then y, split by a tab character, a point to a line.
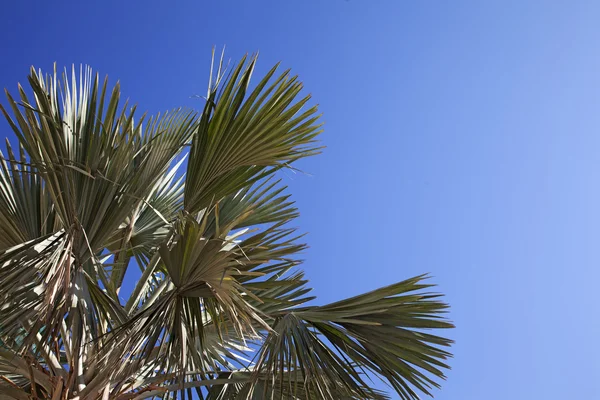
244	136
384	331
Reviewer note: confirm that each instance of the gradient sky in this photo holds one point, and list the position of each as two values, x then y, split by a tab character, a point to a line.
463	140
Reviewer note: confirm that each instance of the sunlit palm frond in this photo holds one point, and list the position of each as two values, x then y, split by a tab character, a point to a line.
148	226
97	166
293	348
26	212
245	135
201	290
385	332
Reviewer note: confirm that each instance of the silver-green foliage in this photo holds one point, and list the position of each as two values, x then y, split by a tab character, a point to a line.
91	191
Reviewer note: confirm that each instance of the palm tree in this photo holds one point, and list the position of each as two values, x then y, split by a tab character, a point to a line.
92	194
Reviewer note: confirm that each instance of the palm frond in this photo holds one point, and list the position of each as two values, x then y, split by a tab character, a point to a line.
385	331
244	136
97	166
293	348
26	212
201	290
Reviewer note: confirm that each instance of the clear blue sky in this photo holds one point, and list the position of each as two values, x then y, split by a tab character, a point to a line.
463	140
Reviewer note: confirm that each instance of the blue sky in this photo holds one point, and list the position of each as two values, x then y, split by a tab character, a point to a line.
463	139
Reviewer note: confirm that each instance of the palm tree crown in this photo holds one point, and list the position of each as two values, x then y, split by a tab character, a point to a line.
91	192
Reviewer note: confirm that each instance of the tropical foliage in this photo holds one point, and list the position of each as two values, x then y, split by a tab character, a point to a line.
188	204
